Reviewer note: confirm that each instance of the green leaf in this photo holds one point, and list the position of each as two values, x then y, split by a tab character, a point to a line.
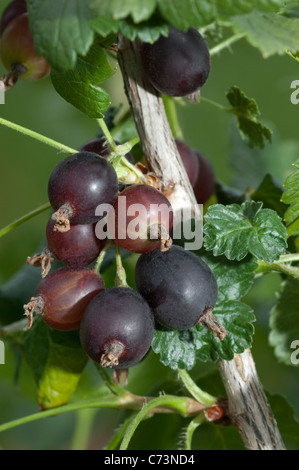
270	193
234	279
147	31
194	13
57	360
139	10
284	324
247	112
236	7
269	32
104	25
79	86
237	230
291	196
284	414
181	349
60	30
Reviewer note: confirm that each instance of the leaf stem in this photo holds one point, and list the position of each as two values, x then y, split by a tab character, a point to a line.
121	277
165	400
264	268
193	425
107	134
24	218
101	257
202	397
226	43
35	135
164	404
115	389
83	428
170	109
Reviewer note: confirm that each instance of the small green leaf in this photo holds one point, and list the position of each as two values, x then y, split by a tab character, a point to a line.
270	193
291	196
104	25
237	230
284	324
269	32
147	31
79	86
194	13
247	112
57	360
60	30
139	10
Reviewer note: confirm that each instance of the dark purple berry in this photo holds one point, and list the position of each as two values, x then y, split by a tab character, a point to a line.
179	287
177	65
117	328
78	185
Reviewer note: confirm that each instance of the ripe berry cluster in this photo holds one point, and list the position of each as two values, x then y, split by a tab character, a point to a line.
175	288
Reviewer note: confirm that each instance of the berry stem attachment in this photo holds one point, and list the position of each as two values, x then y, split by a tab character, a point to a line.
100	259
11	78
121	277
209	322
159	232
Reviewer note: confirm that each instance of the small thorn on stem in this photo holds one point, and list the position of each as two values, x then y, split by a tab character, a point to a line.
112	353
62	218
42	260
209	322
37	305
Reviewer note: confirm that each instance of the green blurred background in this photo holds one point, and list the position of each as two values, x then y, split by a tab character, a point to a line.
25	168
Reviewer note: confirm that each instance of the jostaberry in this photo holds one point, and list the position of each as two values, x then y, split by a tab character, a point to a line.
18	54
180	288
77	185
62	296
117	328
179	64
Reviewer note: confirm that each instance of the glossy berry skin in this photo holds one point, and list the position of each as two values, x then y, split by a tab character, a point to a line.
13	9
205	183
178	286
199	170
84	181
76	248
177	65
100	147
190	161
125	217
16	47
66	293
117	315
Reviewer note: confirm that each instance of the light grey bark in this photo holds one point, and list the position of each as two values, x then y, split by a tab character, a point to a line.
248	407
